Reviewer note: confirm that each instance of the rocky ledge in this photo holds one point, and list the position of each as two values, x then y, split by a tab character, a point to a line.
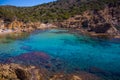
19	26
20	72
104	22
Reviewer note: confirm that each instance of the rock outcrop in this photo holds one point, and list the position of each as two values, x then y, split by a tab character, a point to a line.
97	22
2	24
19	26
20	72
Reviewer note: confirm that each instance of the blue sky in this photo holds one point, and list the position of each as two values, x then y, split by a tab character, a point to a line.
23	2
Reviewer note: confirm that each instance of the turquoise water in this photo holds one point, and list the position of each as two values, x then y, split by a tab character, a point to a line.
74	50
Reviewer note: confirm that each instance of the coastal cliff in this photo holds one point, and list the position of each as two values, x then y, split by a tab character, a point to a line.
93	17
104	22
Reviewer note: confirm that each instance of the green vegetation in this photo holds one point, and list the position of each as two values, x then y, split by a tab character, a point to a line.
54	11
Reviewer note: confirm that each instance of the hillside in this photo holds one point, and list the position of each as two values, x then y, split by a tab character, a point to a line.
53	11
96	17
104	22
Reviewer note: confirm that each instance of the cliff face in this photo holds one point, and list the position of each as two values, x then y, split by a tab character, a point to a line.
96	22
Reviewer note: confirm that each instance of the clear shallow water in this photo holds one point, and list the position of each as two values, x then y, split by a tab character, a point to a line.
76	51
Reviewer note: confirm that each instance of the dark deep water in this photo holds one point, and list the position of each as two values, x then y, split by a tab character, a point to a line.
64	51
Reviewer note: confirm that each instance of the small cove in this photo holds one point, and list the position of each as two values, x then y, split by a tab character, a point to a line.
68	51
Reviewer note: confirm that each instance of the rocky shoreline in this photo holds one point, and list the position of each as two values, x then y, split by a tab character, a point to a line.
19	26
94	18
81	25
21	72
96	23
99	23
103	23
40	66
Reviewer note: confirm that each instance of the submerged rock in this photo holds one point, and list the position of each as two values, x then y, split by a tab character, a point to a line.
33	58
98	71
75	76
38	59
82	75
27	48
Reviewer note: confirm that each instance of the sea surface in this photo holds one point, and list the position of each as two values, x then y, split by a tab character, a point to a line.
68	51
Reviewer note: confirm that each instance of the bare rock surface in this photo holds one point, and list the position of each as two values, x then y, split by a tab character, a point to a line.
104	22
20	72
